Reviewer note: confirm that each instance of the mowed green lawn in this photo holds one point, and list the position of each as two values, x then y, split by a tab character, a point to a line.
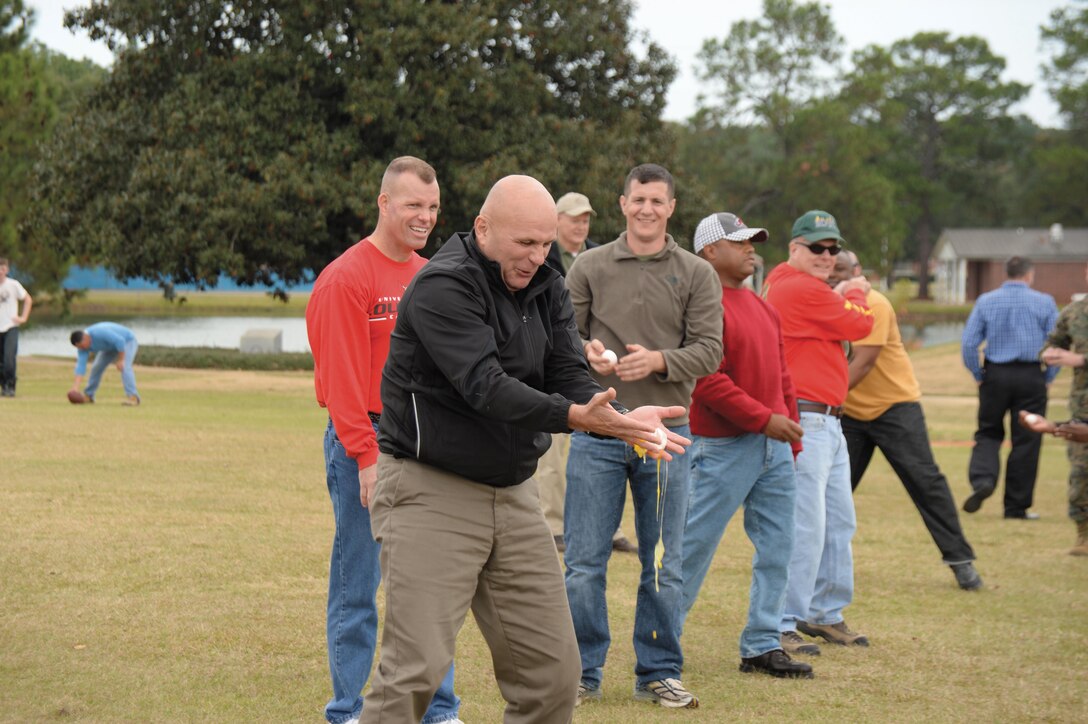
169	562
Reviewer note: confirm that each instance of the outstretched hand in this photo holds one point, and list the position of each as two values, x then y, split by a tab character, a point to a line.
1036	423
674	443
635	428
1058	357
1073	430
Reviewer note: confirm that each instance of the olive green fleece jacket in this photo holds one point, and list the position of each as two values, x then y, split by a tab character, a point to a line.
671	302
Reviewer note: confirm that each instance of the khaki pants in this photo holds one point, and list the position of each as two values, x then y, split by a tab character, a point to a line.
449	545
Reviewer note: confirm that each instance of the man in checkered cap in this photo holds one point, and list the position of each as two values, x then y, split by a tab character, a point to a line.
745	433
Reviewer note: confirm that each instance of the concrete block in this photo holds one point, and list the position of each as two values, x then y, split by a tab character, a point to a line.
262	341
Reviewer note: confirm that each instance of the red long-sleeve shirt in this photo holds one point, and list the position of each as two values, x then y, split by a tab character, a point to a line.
352	311
815	322
752	382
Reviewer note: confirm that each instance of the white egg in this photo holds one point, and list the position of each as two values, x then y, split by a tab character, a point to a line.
659	444
610	356
1031	419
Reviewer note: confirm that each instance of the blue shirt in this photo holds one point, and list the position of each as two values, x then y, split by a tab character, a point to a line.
1014	321
104	336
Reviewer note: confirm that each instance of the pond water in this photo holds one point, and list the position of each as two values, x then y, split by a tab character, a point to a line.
931	334
52	339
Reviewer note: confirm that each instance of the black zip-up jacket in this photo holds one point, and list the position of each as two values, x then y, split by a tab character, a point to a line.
477	376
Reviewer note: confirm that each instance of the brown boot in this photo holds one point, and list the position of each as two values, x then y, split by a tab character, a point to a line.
1080	548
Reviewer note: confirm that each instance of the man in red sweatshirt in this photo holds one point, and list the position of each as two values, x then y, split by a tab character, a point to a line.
816	319
350	316
744	424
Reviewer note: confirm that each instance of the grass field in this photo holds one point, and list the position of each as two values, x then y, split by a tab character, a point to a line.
109	303
170	562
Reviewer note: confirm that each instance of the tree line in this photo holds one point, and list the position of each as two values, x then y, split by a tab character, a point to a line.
248	138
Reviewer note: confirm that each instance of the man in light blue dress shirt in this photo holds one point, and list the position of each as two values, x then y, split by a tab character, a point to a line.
1013	321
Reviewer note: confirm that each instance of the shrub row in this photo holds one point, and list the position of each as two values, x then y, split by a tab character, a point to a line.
222	359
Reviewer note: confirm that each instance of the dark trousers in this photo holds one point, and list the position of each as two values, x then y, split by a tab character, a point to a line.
1008	388
9	347
900	433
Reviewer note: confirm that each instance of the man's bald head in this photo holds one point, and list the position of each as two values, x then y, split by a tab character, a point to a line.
515	228
512	194
845	265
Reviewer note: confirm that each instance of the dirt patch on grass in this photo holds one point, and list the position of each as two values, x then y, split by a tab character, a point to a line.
228	380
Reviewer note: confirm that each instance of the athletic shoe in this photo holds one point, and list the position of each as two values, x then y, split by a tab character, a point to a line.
586	693
966	576
669	693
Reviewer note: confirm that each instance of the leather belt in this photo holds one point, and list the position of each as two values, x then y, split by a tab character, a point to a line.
805	406
375	417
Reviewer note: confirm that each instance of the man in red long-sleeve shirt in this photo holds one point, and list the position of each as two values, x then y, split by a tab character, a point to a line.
744	420
816	319
352	311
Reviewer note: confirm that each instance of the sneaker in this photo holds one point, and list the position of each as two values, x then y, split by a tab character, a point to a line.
133	401
777	663
834	633
585	693
966	576
622	545
793	644
669	693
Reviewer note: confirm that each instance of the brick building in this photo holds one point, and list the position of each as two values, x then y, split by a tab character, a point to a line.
972	261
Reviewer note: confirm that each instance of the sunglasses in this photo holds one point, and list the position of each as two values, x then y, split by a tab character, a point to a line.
818	249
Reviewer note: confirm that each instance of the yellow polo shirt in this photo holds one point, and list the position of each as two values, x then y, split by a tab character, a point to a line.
891	380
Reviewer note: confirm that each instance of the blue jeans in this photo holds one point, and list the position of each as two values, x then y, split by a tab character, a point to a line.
757	472
104	359
822	566
597	475
354	575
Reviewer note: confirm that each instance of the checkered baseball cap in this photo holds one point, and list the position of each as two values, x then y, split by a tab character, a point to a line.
725	226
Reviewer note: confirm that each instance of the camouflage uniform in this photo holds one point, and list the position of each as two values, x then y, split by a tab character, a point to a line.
1071	333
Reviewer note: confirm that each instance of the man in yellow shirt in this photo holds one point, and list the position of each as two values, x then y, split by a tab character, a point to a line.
883	411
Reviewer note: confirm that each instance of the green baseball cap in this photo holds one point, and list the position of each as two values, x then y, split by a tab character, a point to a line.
817	225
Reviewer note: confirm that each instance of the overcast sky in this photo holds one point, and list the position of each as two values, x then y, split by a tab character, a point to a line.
1010	26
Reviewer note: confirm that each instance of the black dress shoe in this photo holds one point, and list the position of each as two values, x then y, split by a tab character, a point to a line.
974	502
1023	515
777	663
